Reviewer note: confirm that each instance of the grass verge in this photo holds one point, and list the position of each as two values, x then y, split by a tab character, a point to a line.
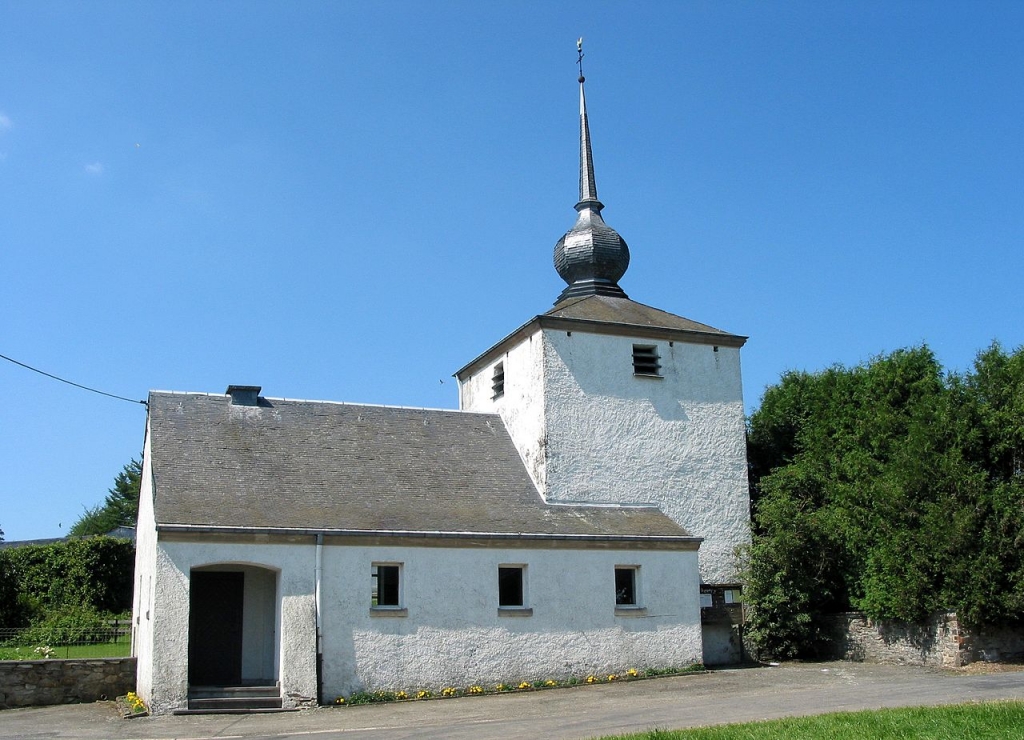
990	720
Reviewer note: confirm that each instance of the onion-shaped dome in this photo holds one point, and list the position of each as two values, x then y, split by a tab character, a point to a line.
591	257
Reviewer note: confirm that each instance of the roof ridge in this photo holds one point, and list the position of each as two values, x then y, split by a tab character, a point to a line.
332	403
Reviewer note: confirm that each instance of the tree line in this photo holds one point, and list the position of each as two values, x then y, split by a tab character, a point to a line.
893	488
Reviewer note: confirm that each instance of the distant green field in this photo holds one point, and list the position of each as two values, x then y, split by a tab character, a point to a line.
119	648
956	722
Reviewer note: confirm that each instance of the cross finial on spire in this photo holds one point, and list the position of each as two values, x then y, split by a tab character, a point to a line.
588	185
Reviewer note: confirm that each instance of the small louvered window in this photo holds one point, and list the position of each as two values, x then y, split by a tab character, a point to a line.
498	381
645	360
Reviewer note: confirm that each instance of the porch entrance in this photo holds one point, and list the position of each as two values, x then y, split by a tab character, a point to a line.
215	629
232	626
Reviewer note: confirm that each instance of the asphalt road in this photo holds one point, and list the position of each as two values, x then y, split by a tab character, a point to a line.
715	697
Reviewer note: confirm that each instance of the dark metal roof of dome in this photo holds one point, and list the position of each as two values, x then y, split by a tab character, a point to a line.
591	257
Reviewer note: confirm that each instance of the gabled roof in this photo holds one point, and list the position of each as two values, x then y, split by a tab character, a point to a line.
602	314
332	467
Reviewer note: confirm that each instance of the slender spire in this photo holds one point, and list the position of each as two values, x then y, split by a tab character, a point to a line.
591	257
588	183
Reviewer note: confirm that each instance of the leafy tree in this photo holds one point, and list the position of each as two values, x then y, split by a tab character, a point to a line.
93	573
121	507
890	488
10	610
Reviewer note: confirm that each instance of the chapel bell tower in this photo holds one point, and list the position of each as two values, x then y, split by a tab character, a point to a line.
611	401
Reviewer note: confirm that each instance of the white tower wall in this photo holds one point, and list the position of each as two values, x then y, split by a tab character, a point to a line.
592	431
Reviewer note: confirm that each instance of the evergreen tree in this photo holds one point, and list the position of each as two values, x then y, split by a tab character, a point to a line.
891	488
120	508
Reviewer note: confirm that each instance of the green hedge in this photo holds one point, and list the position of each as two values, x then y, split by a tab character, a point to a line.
94	574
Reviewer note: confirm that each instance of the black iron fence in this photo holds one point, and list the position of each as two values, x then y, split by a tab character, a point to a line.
41	643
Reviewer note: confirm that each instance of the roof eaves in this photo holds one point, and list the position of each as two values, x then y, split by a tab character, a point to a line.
593	326
487	355
340	532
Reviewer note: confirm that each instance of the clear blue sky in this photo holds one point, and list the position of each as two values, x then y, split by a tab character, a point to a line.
348	201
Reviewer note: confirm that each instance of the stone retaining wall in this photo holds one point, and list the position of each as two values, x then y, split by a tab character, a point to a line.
26	683
941	641
997	644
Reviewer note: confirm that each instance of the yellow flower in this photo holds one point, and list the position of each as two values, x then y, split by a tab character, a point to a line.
340	700
591	679
549	682
449	691
476	689
632	673
401	695
612	676
424	694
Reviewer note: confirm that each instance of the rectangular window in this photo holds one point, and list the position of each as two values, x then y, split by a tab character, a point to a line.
510	586
498	381
386	585
626	593
645	360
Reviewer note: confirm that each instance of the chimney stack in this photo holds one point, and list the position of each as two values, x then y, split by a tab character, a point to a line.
244	395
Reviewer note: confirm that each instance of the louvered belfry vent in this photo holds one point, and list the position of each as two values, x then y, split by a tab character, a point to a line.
498	381
645	360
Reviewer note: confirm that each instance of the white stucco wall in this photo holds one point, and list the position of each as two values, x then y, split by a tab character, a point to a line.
296	642
602	434
259	625
522	405
450	631
678	441
145	568
453	635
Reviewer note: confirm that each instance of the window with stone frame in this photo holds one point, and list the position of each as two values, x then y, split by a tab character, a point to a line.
627	585
512	586
387	585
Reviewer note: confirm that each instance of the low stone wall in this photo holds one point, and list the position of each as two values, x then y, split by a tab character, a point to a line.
997	644
26	683
941	641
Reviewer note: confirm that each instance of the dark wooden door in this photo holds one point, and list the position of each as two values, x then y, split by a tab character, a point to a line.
215	629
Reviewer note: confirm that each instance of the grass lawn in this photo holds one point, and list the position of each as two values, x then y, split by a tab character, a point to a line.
956	722
120	648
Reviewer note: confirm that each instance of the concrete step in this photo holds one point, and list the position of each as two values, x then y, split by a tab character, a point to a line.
233	699
236	702
231	692
233	711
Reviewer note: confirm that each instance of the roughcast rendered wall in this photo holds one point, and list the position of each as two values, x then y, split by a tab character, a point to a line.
296	639
589	430
678	441
451	632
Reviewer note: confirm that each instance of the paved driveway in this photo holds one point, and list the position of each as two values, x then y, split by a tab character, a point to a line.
584	712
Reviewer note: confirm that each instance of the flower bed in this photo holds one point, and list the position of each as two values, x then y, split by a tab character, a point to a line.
450	692
130	705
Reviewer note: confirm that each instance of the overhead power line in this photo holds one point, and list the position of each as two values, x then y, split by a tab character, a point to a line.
77	385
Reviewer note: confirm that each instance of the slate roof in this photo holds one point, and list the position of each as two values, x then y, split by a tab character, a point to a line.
313	465
608	309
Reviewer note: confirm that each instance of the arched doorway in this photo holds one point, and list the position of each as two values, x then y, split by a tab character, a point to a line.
232	626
